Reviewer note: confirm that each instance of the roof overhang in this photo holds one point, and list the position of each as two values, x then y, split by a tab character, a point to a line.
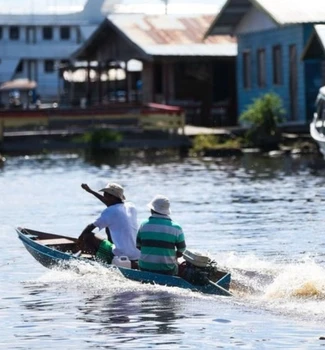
229	17
232	14
192	50
88	51
315	47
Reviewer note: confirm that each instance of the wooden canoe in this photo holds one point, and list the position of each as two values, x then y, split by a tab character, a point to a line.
53	251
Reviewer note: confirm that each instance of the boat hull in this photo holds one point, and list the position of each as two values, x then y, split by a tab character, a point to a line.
317	126
318	136
49	257
54	251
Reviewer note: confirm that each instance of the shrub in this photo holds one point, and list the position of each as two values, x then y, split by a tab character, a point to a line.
96	137
262	117
205	142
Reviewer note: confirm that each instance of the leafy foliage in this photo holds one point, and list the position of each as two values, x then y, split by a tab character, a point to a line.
100	135
97	137
262	117
204	142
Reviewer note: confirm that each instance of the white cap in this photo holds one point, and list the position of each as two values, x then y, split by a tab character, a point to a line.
115	190
160	204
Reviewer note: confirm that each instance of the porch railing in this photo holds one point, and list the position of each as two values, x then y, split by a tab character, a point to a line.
148	117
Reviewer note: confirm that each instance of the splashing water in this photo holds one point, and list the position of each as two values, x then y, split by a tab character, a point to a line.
301	280
96	279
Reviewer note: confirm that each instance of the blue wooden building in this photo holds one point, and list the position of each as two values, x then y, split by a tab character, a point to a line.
271	37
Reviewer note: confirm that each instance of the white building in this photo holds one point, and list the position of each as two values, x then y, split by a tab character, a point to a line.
34	45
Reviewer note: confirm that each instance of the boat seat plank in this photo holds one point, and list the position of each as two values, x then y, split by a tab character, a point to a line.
86	256
55	241
29	235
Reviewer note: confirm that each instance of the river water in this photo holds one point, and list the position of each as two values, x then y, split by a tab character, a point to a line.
259	217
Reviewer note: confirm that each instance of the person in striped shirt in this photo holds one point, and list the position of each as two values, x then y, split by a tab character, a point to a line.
160	239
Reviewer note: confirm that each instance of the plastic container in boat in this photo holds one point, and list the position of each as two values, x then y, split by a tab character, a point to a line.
121	261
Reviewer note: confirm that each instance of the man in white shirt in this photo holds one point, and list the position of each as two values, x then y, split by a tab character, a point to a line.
120	218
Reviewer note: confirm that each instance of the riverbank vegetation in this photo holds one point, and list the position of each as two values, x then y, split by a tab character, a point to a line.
95	138
204	143
261	122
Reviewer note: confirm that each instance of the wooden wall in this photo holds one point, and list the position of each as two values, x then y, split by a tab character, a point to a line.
267	39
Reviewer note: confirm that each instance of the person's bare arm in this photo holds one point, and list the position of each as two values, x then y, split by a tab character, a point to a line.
87	230
96	194
81	242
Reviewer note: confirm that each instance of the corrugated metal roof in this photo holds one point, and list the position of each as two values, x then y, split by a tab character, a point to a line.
49	7
294	11
57	7
158	6
282	12
174	35
203	50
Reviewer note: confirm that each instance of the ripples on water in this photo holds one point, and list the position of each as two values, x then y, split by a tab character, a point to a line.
259	217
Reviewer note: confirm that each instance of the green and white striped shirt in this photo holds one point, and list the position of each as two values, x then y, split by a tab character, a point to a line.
159	238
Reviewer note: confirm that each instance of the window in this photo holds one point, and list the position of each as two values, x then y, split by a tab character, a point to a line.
261	68
1	31
49	66
247	70
277	65
14	33
65	33
20	67
47	33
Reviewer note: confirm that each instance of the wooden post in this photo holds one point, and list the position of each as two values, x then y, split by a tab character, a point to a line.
166	82
99	84
127	82
88	87
116	66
